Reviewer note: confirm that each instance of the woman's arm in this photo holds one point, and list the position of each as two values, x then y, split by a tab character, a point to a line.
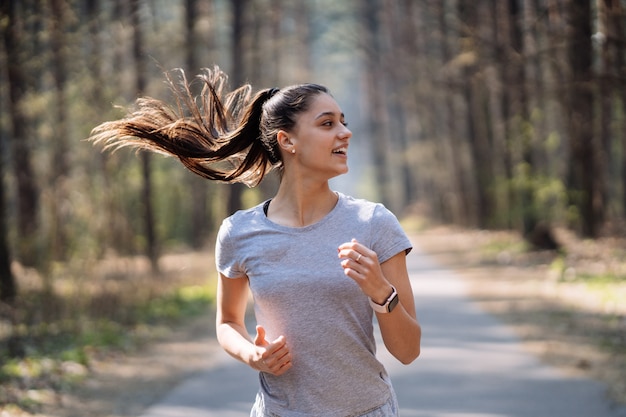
232	298
400	329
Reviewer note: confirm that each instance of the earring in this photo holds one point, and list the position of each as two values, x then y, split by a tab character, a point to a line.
293	151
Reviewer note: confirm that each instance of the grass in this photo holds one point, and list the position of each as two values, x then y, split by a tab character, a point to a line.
58	329
184	302
608	287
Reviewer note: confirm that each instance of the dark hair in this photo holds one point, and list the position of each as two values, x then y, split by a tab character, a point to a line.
219	135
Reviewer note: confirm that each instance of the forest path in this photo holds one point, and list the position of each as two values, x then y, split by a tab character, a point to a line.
471	365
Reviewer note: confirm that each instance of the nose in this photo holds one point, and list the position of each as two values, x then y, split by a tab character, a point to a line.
345	133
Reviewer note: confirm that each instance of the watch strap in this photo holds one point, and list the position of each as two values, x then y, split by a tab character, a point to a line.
389	305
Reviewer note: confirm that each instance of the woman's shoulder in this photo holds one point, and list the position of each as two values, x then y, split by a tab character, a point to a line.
362	206
247	216
351	201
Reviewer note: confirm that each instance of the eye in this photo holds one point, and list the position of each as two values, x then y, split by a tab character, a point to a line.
343	122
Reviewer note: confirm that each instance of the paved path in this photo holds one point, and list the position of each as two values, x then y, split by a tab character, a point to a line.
471	366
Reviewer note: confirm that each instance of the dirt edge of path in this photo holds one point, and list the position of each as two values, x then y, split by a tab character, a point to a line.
126	384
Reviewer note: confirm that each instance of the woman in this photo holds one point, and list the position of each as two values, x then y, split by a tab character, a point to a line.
318	263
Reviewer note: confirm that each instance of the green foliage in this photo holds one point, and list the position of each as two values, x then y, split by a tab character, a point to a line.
558	266
609	287
591	280
511	246
547	195
105	334
535	196
41	376
184	302
600	279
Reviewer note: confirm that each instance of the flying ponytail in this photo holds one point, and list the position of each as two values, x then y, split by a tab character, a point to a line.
216	139
222	136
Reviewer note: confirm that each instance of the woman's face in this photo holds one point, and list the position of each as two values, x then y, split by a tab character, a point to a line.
321	138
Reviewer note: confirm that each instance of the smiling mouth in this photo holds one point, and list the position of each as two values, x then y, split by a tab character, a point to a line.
341	151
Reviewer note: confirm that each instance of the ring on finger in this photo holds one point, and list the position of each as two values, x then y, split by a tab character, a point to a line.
358	258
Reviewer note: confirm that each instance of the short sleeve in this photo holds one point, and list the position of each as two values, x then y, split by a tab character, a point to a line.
226	260
388	238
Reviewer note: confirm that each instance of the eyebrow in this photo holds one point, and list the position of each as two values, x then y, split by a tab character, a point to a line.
329	113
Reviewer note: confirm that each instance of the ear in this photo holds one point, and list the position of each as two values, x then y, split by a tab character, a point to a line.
285	140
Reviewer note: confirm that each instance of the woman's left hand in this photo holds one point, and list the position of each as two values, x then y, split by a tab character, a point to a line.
361	264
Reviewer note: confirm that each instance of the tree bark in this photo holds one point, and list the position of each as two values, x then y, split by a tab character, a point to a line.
620	41
198	186
459	200
480	152
20	141
398	28
606	99
517	97
579	107
60	153
237	73
375	87
95	94
140	79
8	285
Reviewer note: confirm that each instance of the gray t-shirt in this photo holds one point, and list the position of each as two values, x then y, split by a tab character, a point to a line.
300	291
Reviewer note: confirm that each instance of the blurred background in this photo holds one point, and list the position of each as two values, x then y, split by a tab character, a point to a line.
485	114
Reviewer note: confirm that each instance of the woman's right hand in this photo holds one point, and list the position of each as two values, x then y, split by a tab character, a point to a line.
232	299
271	357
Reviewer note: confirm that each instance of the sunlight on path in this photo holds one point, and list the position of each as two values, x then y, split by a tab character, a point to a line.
471	366
227	390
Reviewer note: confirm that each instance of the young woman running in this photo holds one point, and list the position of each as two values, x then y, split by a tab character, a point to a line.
319	263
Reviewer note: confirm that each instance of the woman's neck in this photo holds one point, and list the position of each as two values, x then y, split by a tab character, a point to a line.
301	204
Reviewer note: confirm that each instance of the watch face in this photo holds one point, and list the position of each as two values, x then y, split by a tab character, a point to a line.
392	304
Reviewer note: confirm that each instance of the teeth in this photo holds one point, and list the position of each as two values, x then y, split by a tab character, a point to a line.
341	150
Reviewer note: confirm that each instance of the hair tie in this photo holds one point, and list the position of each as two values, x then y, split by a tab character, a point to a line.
271	92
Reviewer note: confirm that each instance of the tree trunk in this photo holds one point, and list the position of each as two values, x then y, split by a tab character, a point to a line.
198	186
517	97
302	15
275	52
95	94
398	27
620	40
146	171
579	107
606	102
60	153
480	153
611	42
20	140
375	86
8	286
451	137
237	74
120	234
